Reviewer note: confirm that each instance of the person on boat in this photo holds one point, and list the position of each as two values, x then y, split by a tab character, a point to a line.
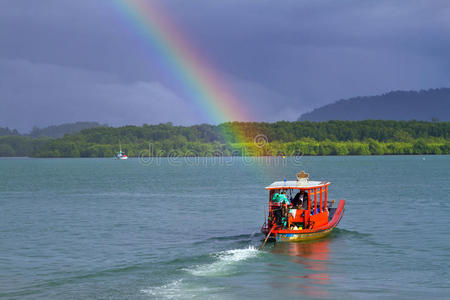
275	198
284	214
285	208
281	210
284	199
304	199
300	199
296	202
280	198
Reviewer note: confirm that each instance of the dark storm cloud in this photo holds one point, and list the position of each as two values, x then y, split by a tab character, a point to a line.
81	60
324	50
35	93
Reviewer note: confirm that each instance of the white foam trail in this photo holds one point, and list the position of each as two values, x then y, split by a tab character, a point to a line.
225	262
170	290
177	289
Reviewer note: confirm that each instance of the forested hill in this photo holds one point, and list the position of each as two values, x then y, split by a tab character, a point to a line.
57	131
54	131
257	139
426	105
7	131
288	138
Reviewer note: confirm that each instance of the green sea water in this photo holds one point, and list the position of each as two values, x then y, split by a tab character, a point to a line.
176	228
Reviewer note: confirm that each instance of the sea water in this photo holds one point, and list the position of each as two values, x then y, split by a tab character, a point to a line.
175	228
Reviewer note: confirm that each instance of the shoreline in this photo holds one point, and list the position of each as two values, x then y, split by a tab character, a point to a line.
224	156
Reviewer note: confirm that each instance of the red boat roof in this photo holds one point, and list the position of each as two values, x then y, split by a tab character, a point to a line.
296	184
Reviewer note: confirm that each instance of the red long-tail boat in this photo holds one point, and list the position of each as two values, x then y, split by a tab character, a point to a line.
299	210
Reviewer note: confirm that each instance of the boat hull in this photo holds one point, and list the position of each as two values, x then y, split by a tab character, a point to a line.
302	237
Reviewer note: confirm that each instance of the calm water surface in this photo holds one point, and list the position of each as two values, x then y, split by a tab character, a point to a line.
176	229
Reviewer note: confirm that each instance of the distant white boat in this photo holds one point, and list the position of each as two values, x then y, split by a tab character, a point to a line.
121	155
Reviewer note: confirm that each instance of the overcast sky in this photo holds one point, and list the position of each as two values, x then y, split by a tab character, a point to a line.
66	61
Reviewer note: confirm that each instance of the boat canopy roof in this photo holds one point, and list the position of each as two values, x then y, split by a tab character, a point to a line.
296	185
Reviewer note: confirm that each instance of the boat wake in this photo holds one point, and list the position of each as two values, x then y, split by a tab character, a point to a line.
217	263
225	262
179	289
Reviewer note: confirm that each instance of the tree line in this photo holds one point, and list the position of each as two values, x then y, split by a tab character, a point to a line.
370	137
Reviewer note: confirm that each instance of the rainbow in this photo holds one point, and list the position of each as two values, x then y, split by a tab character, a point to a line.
194	72
185	62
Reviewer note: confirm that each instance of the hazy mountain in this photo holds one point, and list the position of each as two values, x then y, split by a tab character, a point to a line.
57	131
426	105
